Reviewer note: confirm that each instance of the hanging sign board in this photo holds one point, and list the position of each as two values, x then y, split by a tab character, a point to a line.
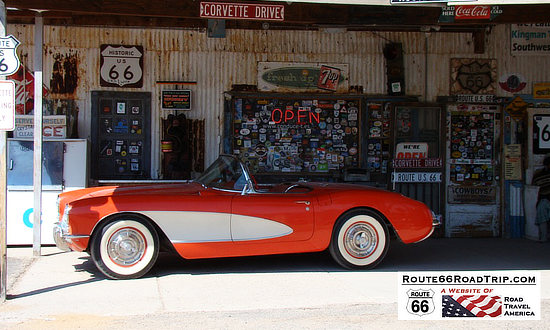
416	177
7	105
248	11
177	99
121	66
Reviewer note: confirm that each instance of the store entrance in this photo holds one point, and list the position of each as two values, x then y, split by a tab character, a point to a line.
121	135
418	154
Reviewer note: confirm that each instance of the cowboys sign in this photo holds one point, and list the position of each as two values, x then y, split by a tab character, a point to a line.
9	62
121	66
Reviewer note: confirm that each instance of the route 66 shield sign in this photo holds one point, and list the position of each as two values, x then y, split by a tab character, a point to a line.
121	66
420	302
9	62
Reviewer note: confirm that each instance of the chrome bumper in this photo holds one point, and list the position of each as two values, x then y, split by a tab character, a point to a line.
62	239
436	222
59	238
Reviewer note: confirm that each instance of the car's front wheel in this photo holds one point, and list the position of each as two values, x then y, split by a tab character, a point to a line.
125	248
360	239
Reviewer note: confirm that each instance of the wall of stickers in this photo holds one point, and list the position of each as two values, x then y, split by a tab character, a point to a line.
378	139
472	145
301	134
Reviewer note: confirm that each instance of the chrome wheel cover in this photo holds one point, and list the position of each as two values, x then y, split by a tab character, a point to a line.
126	247
360	240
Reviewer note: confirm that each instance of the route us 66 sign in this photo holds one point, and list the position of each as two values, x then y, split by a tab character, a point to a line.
9	62
121	66
420	302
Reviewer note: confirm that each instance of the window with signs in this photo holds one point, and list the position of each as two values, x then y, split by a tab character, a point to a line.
306	134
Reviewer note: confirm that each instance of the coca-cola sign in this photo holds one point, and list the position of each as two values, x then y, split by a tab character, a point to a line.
473	12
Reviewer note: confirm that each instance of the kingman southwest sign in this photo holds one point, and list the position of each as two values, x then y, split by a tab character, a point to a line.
249	11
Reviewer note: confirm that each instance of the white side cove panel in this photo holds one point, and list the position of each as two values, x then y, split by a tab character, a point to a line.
193	227
245	228
201	227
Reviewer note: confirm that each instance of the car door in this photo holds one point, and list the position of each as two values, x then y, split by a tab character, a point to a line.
258	216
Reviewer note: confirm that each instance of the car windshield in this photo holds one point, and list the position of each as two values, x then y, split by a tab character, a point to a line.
225	173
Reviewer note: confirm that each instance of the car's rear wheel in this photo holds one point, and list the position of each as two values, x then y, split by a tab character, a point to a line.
125	248
360	239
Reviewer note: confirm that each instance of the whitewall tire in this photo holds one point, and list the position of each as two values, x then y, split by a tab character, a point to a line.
360	239
125	248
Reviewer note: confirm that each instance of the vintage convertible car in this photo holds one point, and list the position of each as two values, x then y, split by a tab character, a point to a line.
225	213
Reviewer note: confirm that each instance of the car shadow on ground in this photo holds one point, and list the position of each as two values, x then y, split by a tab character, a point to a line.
436	254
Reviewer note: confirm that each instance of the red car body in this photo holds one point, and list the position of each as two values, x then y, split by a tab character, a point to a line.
223	217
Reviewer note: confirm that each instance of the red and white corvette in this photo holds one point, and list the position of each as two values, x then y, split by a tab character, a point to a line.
225	213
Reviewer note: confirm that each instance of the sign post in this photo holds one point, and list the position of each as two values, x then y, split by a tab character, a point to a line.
9	63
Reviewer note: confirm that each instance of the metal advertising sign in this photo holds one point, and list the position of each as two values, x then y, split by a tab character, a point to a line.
177	99
472	194
9	62
293	77
450	14
121	66
530	39
473	76
416	177
248	11
417	163
541	90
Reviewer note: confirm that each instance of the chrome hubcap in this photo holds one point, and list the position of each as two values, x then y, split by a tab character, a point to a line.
126	247
360	240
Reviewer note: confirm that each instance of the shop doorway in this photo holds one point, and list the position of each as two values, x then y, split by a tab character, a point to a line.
121	135
418	154
473	170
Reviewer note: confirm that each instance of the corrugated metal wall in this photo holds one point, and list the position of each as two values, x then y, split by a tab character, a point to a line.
217	64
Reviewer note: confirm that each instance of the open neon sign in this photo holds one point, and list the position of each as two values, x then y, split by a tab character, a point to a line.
303	115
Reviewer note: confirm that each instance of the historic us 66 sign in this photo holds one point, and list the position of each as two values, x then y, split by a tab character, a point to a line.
121	66
9	62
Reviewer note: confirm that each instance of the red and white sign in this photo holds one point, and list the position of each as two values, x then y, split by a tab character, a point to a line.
473	12
329	78
53	127
24	90
7	105
225	10
411	150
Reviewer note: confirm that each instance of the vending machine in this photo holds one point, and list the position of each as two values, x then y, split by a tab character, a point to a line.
64	168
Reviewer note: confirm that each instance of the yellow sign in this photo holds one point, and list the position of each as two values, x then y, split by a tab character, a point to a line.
541	90
517	108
